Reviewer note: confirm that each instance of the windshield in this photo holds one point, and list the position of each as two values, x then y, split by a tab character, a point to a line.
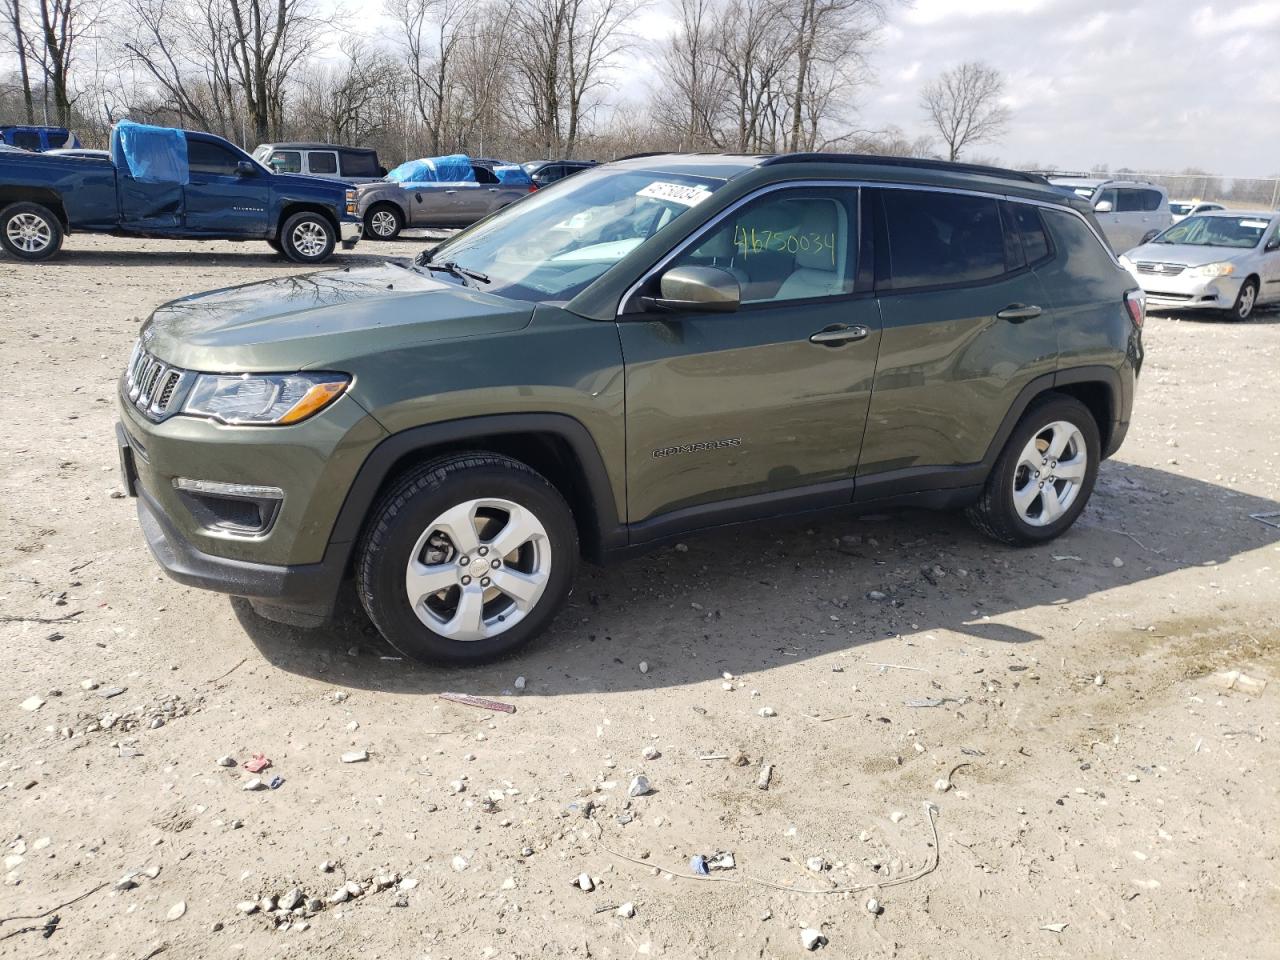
1199	231
554	243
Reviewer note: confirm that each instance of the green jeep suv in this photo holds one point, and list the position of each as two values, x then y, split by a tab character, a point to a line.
654	346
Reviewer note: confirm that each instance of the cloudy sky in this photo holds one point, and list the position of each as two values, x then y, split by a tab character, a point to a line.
1144	84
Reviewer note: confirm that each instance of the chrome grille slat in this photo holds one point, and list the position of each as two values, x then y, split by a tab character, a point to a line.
151	385
1160	269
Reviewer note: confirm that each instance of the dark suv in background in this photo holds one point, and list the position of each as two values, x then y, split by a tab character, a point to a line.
661	345
546	172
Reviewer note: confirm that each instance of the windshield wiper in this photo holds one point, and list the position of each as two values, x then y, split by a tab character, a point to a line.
462	273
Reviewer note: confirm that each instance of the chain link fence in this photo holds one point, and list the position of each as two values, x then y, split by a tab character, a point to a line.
1244	193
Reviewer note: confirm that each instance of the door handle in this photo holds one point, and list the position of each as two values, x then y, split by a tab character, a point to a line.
1017	312
839	333
493	189
451	191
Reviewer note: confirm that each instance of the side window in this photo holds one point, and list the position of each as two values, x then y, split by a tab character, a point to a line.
788	245
1130	201
322	162
26	139
942	238
210	158
484	174
286	161
1109	196
359	165
1026	220
1080	252
1152	200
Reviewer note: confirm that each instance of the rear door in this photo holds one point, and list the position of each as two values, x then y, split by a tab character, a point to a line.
966	326
727	406
219	199
1132	218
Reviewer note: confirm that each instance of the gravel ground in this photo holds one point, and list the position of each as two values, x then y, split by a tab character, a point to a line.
1109	795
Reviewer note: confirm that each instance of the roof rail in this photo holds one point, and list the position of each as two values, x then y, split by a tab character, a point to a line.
648	153
868	159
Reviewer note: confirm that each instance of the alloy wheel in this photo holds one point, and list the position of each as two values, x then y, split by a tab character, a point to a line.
1050	473
478	569
1248	297
383	223
29	232
310	238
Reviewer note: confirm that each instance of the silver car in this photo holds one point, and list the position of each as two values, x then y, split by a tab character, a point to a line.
1129	211
387	207
1217	260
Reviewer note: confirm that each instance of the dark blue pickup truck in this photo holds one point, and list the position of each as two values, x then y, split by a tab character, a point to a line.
162	182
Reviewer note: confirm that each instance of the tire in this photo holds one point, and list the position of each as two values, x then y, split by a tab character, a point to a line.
308	238
30	231
410	538
1012	508
384	221
1246	301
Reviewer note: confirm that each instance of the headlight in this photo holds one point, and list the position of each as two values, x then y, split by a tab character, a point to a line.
1126	262
1213	270
263	398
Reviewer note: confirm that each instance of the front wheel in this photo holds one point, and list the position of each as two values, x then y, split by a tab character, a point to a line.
1043	478
1246	300
466	559
30	231
383	222
308	238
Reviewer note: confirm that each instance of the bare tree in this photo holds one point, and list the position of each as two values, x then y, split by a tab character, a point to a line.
963	105
431	33
267	34
689	101
17	40
63	25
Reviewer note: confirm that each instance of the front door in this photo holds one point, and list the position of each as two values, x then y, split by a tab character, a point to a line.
966	325
220	200
767	402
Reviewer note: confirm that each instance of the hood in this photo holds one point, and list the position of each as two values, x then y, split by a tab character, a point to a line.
304	182
320	320
1187	254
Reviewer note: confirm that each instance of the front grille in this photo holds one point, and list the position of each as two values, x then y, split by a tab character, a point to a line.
153	386
1160	269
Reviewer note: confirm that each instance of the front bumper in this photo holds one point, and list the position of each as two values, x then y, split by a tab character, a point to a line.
1189	293
350	230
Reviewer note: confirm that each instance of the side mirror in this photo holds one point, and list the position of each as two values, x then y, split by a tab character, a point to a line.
245	169
1149	236
1273	244
698	290
1102	206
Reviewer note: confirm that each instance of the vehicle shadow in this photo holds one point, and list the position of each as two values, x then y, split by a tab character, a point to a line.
758	596
1263	315
254	255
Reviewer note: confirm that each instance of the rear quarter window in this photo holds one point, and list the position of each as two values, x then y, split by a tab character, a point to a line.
358	164
1090	272
1030	230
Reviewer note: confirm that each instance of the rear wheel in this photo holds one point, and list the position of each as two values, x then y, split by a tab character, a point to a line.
383	222
1246	300
466	559
30	231
307	238
1043	478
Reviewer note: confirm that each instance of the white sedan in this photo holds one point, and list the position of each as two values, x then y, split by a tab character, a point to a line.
1217	260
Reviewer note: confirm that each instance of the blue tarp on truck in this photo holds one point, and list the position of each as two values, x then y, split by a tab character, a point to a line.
150	154
454	168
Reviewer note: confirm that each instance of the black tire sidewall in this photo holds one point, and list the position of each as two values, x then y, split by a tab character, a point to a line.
55	230
1034	421
384	556
389	208
286	238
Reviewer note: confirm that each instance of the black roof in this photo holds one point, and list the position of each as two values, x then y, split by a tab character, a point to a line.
316	146
914	162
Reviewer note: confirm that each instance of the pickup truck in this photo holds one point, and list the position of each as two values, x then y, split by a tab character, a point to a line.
161	182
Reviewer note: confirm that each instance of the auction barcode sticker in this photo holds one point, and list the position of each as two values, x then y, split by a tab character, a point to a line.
675	192
1254	224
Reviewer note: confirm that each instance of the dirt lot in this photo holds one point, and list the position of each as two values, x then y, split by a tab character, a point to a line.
1103	777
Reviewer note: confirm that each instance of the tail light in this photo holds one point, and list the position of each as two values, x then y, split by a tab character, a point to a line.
1135	302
